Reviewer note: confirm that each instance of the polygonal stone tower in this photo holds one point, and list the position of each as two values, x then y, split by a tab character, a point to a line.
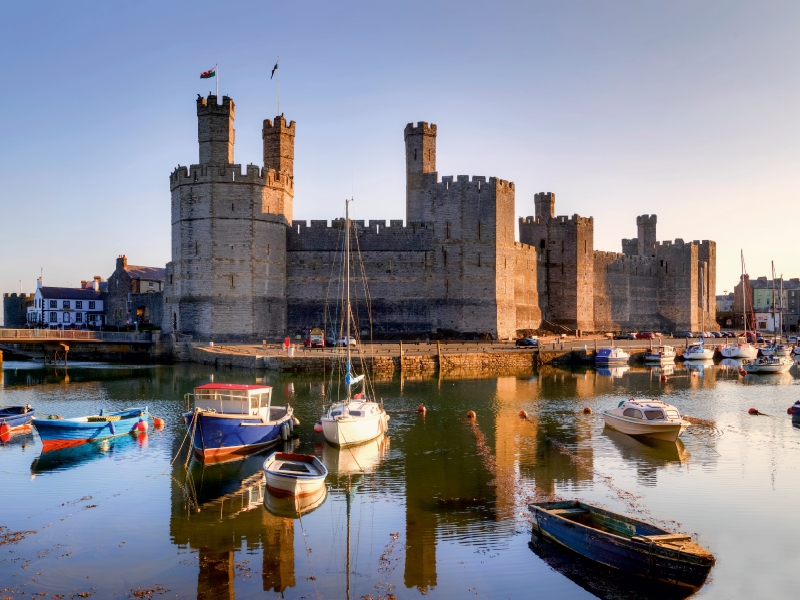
420	160
227	277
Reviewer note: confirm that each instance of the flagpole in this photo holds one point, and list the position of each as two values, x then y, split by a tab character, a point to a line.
216	79
278	62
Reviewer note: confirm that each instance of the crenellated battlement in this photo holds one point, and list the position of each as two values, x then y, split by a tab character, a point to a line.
209	106
647	220
252	174
477	182
422	128
376	235
278	125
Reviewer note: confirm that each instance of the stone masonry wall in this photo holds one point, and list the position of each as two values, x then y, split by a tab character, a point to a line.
15	310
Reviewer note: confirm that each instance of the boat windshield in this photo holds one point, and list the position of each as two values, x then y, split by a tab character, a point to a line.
672	413
652	415
632	412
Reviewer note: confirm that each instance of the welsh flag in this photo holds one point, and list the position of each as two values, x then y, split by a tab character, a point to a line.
209	74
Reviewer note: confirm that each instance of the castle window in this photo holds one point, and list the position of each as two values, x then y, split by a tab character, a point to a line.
541	243
170	279
415	154
562	268
447	230
444	257
231	206
232	284
662	263
446	287
479	259
195	253
479	224
562	246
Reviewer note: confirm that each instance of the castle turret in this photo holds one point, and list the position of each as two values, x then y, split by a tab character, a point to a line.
279	145
545	203
420	159
647	234
215	132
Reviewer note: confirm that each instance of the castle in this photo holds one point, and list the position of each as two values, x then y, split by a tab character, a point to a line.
243	270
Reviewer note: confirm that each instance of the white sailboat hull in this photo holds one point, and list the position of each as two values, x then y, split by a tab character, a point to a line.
698	353
668	432
346	429
739	351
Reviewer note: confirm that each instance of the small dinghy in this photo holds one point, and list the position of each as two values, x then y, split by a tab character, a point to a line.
57	433
15	417
766	365
646	418
622	542
294	474
660	355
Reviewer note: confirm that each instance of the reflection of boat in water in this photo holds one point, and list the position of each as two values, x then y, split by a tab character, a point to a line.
648	451
597	579
294	507
355	460
613	370
634	547
74	456
732	363
699	366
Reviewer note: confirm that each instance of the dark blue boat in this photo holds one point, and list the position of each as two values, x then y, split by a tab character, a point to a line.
618	541
57	433
16	417
231	420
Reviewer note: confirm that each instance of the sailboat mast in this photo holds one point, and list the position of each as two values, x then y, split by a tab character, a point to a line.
702	304
347	273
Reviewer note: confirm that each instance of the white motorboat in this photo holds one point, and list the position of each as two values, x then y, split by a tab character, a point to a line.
294	474
698	352
646	418
356	419
660	355
611	356
767	364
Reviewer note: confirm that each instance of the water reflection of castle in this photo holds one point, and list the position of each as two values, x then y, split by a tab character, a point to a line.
224	510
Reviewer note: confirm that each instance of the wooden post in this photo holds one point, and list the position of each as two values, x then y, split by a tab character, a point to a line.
401	359
439	354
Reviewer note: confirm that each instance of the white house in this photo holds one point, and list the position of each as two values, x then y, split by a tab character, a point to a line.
58	307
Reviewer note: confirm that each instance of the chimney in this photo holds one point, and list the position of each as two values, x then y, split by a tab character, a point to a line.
122	262
83	284
96	284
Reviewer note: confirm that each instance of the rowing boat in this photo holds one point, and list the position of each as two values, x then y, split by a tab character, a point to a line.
57	433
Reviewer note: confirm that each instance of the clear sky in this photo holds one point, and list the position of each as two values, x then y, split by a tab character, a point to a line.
685	109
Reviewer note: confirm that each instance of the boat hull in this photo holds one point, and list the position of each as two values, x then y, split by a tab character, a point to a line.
766	369
66	433
668	432
347	431
621	552
219	437
739	351
16	417
704	354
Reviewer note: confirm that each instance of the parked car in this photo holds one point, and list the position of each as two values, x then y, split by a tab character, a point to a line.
347	341
684	334
645	335
717	334
527	342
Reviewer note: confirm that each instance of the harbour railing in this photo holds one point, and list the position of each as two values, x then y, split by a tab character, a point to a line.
26	335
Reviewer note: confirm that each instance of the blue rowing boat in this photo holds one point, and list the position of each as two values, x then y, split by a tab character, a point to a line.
57	433
615	540
16	417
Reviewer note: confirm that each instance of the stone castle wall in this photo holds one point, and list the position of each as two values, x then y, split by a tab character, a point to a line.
15	310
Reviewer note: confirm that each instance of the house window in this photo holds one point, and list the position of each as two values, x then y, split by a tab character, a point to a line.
65	304
53	303
91	304
150	284
65	317
53	317
78	304
79	317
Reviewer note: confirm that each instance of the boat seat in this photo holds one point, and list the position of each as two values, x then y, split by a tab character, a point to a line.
568	511
669	537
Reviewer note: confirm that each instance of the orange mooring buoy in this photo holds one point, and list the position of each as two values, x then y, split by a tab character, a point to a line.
471	415
5	432
421	409
318	426
158	423
663	378
141	426
523	414
587	411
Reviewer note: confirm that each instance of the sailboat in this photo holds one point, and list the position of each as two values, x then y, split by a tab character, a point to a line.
776	348
356	419
743	348
699	351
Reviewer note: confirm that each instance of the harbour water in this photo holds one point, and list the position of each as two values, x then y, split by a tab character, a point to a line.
435	508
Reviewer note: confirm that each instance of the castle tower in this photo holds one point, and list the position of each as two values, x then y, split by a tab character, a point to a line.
647	234
278	140
215	132
227	277
545	203
420	159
